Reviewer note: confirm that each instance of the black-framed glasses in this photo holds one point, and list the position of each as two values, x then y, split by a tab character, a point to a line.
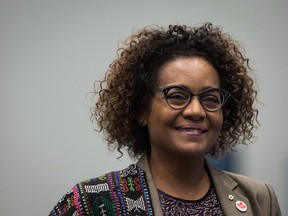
178	97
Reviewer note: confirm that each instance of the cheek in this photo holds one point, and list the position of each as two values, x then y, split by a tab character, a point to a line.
217	121
160	119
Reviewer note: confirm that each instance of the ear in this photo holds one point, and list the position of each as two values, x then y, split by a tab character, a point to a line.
142	119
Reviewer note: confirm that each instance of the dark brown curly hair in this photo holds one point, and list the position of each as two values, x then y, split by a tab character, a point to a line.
127	89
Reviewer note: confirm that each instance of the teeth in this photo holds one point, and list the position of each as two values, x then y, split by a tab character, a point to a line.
191	130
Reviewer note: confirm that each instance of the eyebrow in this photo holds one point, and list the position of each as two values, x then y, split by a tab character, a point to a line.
202	89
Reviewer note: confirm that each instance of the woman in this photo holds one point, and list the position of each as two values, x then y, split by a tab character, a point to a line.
171	97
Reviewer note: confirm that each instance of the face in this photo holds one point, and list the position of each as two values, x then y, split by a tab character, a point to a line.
189	131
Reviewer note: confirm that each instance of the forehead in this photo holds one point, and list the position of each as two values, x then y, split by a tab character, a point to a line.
196	73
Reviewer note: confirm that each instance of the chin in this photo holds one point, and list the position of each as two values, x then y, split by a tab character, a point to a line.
194	151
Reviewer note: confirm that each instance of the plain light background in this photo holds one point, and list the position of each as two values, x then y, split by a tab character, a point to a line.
52	51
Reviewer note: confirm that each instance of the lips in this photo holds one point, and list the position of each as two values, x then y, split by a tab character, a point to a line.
192	130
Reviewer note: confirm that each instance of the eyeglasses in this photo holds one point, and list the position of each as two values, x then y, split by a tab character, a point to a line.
178	97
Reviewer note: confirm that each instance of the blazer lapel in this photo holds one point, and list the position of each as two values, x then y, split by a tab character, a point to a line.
227	192
144	165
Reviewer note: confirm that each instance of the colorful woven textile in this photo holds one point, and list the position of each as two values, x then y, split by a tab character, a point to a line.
117	193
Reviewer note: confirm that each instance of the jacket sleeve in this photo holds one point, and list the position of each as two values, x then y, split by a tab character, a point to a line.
274	205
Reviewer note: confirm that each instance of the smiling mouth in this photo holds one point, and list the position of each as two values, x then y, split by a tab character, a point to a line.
192	130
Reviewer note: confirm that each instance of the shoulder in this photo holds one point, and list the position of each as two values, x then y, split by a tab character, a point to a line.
242	183
248	183
258	191
108	190
260	195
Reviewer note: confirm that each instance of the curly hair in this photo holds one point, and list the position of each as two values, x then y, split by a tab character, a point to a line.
127	89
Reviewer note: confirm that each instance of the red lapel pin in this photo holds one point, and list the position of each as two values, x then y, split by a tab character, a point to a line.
241	206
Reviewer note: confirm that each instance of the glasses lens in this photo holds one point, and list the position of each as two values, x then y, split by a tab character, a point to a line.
177	98
212	100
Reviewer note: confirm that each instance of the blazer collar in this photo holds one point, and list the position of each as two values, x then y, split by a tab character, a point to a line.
226	189
228	192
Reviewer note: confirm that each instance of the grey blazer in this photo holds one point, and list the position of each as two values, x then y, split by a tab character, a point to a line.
259	197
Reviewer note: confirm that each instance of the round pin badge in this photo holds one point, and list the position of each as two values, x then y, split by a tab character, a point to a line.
241	206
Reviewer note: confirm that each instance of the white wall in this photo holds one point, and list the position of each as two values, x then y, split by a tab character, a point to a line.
52	51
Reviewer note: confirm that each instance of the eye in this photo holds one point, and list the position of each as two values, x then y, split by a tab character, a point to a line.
211	100
177	97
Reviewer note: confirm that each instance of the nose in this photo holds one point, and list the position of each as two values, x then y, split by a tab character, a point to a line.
194	110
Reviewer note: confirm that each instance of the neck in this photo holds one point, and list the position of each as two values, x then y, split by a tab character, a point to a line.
182	177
